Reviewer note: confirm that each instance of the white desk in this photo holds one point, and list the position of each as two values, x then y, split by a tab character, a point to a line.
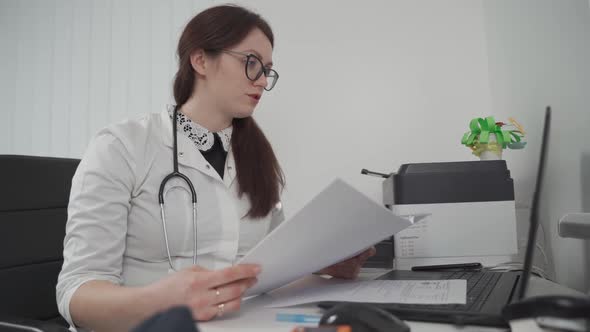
253	316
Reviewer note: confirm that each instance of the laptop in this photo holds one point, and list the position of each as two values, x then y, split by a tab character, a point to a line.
487	292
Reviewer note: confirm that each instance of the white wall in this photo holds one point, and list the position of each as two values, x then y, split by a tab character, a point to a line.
538	53
363	85
371	86
71	67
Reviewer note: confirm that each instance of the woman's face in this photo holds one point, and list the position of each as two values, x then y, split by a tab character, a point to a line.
234	93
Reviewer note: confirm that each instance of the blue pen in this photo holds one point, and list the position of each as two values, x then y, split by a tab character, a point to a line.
298	318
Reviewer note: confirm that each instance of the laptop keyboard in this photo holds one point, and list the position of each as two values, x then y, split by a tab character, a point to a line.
479	287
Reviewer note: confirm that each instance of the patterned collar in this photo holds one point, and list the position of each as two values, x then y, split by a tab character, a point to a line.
201	136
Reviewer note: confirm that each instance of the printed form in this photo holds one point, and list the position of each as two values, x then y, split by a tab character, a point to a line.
379	291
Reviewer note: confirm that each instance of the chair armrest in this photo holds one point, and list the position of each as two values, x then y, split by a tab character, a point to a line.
29	325
575	225
15	327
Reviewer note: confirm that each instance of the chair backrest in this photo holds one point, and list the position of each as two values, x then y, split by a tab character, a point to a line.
34	193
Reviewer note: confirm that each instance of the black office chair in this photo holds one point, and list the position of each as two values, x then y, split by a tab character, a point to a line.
34	194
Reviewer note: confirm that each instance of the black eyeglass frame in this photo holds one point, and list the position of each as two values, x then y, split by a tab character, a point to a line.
263	70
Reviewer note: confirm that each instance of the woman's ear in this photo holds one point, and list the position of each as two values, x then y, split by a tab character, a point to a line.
198	62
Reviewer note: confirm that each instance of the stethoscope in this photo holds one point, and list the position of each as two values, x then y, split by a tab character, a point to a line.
176	174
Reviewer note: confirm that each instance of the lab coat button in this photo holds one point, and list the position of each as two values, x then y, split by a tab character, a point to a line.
207	166
180	154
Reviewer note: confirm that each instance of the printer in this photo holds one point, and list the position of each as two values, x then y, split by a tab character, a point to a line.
472	213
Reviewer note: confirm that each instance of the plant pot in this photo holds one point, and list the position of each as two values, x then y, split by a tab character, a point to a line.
491	151
490	155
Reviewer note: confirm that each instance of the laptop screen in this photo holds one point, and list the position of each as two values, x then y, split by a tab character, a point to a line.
534	217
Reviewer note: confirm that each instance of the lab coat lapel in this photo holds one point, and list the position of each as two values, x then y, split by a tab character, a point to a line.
190	156
230	169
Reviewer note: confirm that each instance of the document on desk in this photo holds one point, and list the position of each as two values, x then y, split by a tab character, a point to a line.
379	291
338	223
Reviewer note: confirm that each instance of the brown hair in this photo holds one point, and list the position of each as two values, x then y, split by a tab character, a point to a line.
258	171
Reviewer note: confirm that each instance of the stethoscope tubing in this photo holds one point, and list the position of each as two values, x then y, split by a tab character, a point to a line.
176	174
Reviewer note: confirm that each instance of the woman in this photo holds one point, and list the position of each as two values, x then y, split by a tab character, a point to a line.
126	256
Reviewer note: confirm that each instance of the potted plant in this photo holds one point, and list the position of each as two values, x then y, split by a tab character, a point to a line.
487	138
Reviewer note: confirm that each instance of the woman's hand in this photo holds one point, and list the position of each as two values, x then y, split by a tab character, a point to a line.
350	268
207	293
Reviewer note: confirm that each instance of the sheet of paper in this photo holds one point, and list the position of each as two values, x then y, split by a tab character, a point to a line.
379	291
339	222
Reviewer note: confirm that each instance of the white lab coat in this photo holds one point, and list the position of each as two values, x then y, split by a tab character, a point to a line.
114	229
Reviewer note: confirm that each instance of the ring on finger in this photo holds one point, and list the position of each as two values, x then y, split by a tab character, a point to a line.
220	309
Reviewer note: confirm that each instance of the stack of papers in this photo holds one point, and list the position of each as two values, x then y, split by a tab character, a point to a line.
337	224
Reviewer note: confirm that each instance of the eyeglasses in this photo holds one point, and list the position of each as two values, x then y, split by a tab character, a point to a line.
254	69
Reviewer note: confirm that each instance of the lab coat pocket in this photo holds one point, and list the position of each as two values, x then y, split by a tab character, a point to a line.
209	224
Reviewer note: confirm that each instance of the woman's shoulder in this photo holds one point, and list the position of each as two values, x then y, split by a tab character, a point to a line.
135	128
139	136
